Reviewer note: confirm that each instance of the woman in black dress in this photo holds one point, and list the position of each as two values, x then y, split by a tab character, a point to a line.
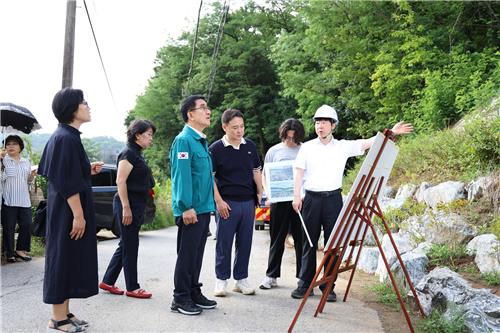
134	181
71	244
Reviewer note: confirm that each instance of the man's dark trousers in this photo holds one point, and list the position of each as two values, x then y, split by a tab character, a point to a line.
318	210
283	218
240	223
191	241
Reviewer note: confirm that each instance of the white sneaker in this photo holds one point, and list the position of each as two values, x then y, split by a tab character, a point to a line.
220	288
242	286
268	283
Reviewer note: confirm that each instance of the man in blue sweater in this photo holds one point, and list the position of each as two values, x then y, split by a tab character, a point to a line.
192	203
238	187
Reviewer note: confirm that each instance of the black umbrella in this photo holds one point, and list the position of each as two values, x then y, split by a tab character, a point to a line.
17	117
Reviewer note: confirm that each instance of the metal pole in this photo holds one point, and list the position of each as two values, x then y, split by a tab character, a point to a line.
69	44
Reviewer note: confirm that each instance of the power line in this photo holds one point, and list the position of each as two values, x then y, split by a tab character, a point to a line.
193	50
100	56
215	54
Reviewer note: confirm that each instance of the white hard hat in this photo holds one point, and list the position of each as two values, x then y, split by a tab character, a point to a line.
325	111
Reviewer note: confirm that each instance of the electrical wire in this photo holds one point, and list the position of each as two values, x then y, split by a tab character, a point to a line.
215	54
193	50
100	56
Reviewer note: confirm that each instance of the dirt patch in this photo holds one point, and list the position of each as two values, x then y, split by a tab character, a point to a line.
392	318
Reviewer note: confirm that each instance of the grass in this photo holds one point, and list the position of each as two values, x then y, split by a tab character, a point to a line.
491	279
439	323
447	255
386	295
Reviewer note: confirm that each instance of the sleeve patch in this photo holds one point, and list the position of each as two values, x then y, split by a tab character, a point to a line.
183	156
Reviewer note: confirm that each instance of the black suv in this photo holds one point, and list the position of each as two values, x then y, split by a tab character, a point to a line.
104	189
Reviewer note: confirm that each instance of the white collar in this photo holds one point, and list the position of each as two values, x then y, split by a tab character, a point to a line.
197	132
226	143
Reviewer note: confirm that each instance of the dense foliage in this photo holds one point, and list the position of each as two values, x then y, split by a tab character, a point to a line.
429	63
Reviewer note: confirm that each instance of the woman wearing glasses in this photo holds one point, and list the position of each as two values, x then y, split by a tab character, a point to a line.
71	244
134	181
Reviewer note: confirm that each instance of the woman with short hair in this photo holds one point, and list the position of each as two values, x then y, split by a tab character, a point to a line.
134	181
71	243
16	205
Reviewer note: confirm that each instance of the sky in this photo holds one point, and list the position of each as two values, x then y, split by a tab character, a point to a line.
129	33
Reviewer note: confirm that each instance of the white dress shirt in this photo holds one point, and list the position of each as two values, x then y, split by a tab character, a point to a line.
324	164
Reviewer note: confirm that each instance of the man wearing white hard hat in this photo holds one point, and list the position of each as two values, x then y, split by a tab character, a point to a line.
319	169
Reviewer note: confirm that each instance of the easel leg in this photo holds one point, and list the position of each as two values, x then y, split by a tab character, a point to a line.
355	265
308	292
393	281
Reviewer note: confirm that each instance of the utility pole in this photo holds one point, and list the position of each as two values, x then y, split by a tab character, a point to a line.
69	44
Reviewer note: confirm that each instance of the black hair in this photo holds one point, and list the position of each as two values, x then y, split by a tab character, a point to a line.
229	114
65	104
332	121
14	138
139	126
292	124
188	104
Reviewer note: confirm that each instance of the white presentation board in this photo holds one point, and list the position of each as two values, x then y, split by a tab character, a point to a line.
279	180
382	169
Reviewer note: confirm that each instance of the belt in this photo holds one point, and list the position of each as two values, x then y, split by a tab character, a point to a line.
324	193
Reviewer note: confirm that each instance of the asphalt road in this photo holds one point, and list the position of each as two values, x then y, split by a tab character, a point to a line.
267	311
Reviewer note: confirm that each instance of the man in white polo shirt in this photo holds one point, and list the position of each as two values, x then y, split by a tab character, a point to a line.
319	168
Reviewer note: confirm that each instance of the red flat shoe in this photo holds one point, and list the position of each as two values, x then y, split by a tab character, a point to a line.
140	293
112	289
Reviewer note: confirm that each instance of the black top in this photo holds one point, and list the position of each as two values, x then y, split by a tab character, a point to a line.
140	179
234	170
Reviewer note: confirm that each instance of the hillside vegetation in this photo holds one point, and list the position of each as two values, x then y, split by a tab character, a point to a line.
376	62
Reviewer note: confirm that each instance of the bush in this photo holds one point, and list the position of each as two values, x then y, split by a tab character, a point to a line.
163	217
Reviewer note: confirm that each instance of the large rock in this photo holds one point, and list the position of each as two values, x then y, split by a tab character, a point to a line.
368	260
403	243
404	193
438	227
442	288
416	266
419	194
486	249
444	193
476	189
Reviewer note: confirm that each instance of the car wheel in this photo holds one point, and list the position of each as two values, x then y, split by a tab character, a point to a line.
115	229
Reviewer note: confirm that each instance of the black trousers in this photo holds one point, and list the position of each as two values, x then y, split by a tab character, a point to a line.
283	219
10	217
127	252
319	211
191	241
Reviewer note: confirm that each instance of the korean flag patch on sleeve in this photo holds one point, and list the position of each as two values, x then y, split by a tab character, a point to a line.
183	156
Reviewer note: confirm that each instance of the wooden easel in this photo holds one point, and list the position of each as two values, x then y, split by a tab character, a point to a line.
350	233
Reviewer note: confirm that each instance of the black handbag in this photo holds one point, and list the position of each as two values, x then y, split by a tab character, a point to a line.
39	220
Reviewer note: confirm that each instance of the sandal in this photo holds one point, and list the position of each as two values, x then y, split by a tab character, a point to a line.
56	326
77	321
23	258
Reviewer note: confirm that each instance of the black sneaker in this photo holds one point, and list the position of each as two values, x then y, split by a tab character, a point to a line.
204	302
187	308
300	292
332	297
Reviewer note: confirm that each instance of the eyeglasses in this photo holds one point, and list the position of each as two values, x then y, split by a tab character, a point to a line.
84	103
204	108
